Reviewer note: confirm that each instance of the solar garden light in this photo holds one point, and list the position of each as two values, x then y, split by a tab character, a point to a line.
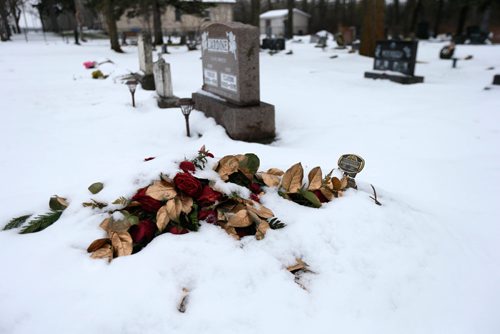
186	106
132	85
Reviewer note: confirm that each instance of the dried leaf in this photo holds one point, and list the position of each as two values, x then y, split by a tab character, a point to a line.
270	180
299	265
119	226
292	179
336	183
162	219
122	243
260	211
187	203
261	230
327	193
344	182
231	231
315	179
174	208
275	171
240	219
227	166
184	300
97	244
161	190
105	224
121	201
106	252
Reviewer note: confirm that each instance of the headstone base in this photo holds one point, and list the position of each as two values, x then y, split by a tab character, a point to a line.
405	80
167	102
246	123
496	79
147	82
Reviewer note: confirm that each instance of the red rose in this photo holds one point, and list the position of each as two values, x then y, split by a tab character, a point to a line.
188	184
255	198
142	232
148	204
210	216
187	166
255	188
178	230
208	196
320	196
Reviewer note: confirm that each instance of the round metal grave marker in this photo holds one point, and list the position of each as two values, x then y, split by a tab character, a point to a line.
351	164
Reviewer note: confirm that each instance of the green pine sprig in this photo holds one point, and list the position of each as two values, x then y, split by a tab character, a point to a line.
16	222
41	222
275	223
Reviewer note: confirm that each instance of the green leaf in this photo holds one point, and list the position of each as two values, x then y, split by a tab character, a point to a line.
190	221
240	179
41	222
306	198
131	219
57	203
252	163
95	188
311	197
16	222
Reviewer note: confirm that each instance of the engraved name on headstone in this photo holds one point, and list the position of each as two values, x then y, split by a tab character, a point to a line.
230	60
351	164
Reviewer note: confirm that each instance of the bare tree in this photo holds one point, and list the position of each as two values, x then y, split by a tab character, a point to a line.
289	21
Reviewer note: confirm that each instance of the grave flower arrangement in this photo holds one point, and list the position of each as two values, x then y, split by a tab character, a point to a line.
180	203
89	64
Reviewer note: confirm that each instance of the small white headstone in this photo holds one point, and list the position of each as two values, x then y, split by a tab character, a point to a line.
163	78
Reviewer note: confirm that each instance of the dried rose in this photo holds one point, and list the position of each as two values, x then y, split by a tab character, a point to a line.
255	188
210	216
188	184
187	166
148	203
320	196
255	198
208	196
178	230
142	232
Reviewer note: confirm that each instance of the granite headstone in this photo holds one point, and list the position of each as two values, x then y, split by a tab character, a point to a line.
145	50
396	56
163	83
231	87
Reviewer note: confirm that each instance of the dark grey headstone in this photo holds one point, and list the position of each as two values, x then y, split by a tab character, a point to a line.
397	56
496	79
251	123
230	56
231	91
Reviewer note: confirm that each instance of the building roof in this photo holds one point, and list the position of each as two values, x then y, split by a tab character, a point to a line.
277	13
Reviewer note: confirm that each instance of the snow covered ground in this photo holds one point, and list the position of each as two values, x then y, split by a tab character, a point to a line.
427	261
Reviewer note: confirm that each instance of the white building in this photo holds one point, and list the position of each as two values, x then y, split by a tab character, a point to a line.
273	22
